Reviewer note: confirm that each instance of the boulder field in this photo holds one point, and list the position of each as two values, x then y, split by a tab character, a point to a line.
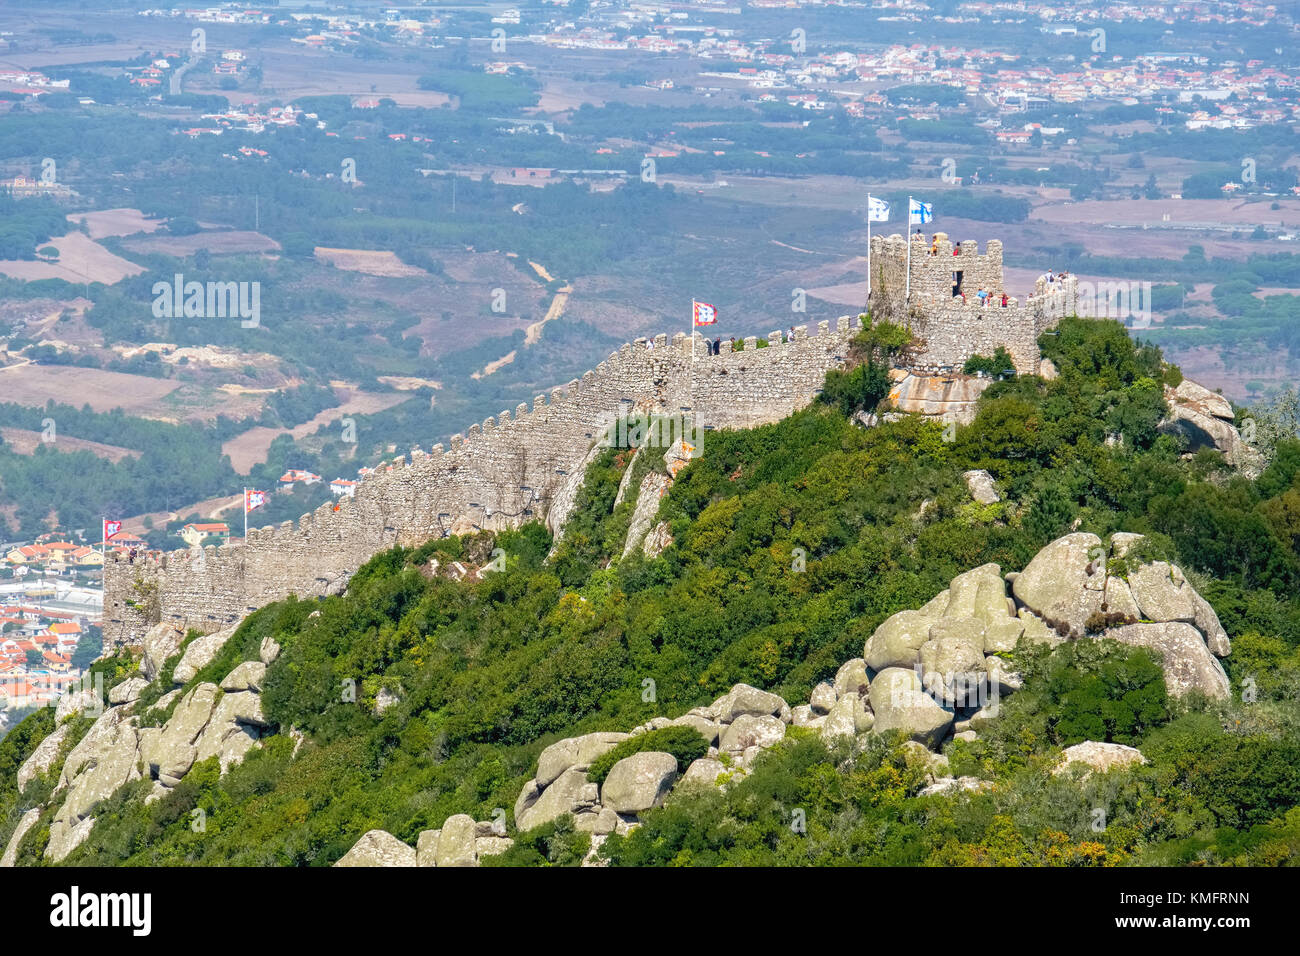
210	719
934	674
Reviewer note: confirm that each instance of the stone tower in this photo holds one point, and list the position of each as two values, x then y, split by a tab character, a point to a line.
938	298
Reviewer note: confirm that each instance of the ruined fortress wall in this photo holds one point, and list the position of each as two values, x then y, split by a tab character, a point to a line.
503	472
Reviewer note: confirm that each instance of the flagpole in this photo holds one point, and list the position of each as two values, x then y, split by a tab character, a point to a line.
243	503
691	378
907	294
868	252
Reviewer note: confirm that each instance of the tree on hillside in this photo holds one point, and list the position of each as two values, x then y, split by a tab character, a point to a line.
864	381
182	226
89	648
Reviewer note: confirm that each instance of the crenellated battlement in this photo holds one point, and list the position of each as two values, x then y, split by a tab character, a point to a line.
937	294
510	468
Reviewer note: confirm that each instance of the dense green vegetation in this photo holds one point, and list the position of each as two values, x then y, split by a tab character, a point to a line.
490	670
999	363
26	223
81	487
863	382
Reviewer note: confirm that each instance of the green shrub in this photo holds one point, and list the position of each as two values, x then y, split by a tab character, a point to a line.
999	362
1082	690
684	743
552	844
864	380
860	389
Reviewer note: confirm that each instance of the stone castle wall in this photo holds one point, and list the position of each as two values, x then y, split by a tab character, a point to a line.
953	331
510	469
529	464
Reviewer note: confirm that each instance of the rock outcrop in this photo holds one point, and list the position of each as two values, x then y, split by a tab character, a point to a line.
1069	585
25	823
981	486
950	398
210	721
43	757
223	721
102	761
703	772
378	848
639	782
930	674
934	674
1188	663
127	691
659	538
848	716
199	653
570	792
460	842
1099	756
455	846
947	786
574	752
1065	583
651	492
741	723
75	702
1205	419
899	702
160	643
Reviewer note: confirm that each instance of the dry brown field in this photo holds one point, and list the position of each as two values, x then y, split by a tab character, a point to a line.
370	261
115	222
1137	212
217	242
103	391
25	442
250	447
289	71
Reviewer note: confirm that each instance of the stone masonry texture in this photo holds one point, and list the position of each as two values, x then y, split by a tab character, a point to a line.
501	473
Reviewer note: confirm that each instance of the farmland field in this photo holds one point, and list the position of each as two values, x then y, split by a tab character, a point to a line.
103	391
25	442
81	259
250	447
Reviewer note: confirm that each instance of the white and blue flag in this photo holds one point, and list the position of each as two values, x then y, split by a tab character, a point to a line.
877	210
921	212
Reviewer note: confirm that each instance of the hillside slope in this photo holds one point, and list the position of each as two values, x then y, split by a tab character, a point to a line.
422	701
